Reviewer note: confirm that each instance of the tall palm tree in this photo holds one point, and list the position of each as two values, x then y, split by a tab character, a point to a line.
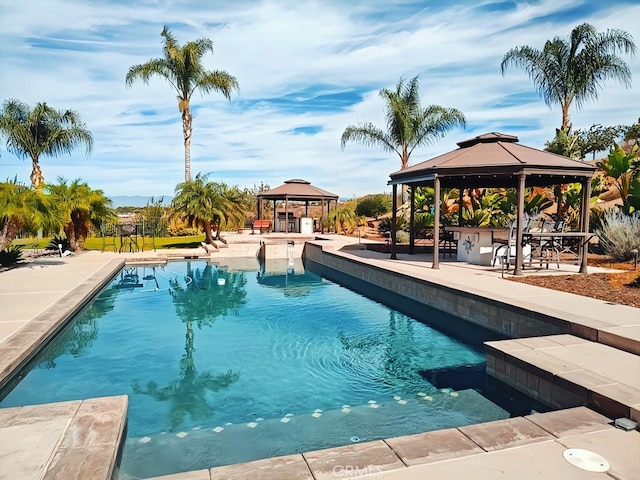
81	207
24	209
575	69
41	131
408	124
182	67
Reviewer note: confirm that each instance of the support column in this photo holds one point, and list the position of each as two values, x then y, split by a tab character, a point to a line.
436	224
584	223
519	225
286	214
394	207
412	216
460	198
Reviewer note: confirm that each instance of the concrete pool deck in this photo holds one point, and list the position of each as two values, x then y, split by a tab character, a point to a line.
42	293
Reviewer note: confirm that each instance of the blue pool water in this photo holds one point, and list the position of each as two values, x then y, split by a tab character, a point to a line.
224	366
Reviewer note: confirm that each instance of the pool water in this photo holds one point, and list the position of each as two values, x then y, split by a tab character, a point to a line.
223	365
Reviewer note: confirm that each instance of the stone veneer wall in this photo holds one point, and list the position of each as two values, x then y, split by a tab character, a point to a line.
504	319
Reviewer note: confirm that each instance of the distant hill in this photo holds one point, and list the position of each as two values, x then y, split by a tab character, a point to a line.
137	200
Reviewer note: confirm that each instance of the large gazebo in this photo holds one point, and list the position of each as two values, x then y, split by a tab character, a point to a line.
296	190
495	160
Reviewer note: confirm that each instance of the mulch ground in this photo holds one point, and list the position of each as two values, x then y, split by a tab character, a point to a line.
622	288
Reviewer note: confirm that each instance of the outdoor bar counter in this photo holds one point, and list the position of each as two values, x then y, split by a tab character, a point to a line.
475	244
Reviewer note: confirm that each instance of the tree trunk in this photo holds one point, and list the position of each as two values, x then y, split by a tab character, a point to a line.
81	229
8	234
69	231
37	180
186	131
208	233
404	165
566	119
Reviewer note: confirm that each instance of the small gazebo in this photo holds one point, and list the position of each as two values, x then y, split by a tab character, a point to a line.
296	190
496	160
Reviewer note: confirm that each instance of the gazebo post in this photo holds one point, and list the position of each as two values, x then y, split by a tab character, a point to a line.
412	233
519	221
460	197
306	208
394	206
286	214
275	215
436	223
584	223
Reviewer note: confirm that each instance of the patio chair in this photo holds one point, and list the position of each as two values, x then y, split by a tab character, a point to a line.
447	243
504	251
545	249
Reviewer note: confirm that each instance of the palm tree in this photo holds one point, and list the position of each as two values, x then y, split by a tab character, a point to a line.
81	207
200	203
182	67
574	70
24	209
234	201
408	124
41	131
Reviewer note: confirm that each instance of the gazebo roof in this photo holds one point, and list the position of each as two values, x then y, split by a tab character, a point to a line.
495	159
297	189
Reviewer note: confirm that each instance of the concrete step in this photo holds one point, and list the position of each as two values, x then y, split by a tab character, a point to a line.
564	371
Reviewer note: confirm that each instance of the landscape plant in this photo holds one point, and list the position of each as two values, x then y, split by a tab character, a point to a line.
42	131
621	167
619	234
81	208
409	125
374	205
183	68
573	70
24	209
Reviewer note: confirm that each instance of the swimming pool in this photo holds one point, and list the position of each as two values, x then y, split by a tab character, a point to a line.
224	366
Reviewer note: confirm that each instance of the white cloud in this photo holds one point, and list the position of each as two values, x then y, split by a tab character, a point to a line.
276	49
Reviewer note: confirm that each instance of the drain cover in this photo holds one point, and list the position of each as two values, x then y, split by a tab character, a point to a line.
586	460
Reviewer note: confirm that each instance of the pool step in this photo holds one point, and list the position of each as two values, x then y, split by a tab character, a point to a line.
564	371
203	447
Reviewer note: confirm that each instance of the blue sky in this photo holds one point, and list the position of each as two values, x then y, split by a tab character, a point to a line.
307	70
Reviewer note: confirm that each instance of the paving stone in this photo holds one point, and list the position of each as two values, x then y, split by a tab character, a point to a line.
289	467
572	421
533	462
511	432
625	338
566	339
433	446
26	449
621	449
538	342
37	413
95	463
368	458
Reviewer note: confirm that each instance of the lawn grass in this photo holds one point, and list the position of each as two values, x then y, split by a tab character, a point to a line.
111	243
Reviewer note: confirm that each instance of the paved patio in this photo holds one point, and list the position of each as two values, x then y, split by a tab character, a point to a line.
36	298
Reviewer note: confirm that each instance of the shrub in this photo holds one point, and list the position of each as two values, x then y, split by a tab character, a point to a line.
58	240
10	256
402	236
374	206
384	227
619	234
